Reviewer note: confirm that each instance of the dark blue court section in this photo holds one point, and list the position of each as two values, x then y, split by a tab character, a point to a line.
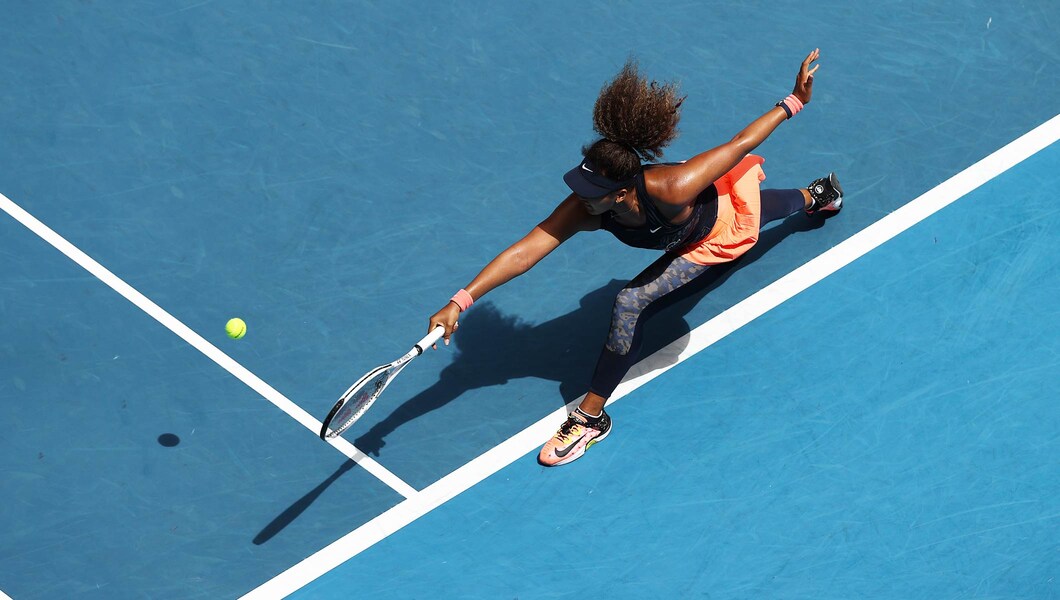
332	173
889	433
94	505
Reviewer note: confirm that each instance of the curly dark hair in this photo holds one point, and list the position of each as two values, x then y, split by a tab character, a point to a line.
637	119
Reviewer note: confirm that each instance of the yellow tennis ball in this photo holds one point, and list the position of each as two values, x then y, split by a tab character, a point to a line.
236	328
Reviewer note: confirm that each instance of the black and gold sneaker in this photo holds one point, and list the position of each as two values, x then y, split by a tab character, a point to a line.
827	195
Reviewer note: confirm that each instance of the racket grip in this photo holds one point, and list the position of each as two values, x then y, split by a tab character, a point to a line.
430	339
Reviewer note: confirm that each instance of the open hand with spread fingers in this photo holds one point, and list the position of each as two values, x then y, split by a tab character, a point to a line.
804	81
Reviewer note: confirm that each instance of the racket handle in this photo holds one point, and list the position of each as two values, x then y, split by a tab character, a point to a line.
429	341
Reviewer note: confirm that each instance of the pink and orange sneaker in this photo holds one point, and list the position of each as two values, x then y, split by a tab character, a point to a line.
575	436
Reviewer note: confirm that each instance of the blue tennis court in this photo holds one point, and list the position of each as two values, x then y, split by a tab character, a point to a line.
862	407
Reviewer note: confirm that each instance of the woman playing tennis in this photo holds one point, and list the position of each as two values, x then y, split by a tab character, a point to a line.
701	212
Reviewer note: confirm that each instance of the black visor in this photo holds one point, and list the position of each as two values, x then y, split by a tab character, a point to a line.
587	182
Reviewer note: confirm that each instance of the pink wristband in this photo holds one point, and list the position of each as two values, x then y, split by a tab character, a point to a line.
463	300
793	104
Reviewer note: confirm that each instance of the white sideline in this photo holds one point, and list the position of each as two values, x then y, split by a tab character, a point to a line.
200	344
652	366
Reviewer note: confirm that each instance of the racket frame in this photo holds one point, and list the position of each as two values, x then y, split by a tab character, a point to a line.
391	369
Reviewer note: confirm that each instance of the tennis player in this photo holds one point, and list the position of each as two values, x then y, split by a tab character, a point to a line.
701	212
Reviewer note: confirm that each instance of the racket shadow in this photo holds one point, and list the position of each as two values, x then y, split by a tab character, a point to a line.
494	348
564	349
295	510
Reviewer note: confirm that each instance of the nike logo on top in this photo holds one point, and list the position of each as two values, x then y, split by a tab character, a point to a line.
565	451
586	168
656	229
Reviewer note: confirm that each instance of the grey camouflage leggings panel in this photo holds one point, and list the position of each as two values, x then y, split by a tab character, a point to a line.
661	278
666	275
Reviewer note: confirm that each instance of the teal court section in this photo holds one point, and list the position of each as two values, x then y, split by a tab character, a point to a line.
889	433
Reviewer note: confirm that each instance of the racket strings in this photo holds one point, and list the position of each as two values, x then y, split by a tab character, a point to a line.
357	402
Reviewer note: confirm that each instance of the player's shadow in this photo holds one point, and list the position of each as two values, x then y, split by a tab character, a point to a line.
493	348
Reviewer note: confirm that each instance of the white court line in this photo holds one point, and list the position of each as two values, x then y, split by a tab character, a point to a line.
4	596
196	340
651	367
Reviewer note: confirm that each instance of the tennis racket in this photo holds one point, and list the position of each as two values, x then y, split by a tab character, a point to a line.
361	395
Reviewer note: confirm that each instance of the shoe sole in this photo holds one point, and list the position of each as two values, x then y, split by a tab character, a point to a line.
835	183
838	204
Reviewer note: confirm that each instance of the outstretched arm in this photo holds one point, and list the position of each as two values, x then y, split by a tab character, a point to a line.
683	182
569	218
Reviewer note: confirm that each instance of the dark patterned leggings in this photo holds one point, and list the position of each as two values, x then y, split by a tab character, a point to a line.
667	274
